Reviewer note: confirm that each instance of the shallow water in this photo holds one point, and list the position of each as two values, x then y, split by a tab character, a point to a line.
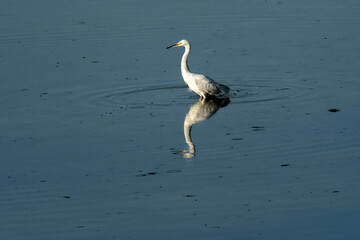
93	113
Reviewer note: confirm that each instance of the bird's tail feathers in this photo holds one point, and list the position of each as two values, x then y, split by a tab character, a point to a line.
224	89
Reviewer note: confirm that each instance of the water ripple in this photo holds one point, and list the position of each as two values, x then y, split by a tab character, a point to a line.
164	95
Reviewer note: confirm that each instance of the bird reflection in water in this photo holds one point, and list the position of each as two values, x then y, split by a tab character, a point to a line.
200	111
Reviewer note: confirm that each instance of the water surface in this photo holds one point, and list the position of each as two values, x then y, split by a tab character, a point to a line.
96	120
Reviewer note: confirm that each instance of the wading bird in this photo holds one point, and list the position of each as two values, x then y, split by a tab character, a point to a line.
202	85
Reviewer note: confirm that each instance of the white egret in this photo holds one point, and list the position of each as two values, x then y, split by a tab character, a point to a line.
202	85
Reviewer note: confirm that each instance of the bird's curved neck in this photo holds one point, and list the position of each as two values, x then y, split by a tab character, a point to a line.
184	66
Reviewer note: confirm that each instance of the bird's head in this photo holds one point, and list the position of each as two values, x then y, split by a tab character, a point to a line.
181	43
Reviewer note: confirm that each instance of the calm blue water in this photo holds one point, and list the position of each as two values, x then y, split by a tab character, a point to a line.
93	113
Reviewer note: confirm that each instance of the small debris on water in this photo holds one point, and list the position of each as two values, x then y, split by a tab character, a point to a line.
145	174
258	128
236	139
189	195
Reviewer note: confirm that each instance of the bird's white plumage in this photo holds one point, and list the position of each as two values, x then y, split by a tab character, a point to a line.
202	85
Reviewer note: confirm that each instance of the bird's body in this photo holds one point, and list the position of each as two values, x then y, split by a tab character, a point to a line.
202	85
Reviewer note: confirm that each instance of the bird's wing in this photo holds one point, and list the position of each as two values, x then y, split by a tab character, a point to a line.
210	85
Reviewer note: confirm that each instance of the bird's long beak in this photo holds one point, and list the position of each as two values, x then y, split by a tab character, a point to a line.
171	46
175	45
